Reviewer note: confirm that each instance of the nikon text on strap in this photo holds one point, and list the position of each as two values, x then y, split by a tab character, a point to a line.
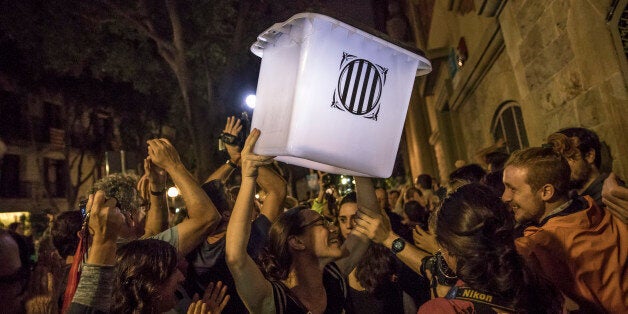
478	297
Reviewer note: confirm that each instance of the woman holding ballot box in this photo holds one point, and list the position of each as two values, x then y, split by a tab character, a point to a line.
305	266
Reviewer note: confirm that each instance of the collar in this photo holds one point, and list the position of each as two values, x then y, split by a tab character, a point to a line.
572	206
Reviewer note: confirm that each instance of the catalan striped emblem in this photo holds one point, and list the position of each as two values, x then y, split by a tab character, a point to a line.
359	87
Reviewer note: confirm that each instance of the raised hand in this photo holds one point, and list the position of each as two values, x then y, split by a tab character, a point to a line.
163	154
214	300
216	297
615	197
156	176
250	161
154	179
321	184
424	240
374	226
233	127
105	219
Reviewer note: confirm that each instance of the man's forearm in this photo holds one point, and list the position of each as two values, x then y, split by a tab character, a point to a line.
273	184
222	173
196	200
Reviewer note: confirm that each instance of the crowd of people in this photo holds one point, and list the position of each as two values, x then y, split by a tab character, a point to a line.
540	231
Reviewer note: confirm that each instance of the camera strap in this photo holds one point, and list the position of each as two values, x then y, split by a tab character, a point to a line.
479	298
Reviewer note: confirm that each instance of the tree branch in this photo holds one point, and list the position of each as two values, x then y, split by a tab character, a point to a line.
145	26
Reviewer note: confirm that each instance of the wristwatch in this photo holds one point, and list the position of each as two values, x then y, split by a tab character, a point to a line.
232	164
398	245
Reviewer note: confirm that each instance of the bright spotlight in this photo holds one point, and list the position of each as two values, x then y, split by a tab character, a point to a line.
173	192
250	101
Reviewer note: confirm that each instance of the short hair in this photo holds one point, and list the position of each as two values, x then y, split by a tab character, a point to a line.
64	232
424	181
469	173
544	166
496	160
587	141
351	197
217	193
410	191
417	213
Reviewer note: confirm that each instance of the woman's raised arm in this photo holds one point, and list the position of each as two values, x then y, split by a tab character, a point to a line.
254	290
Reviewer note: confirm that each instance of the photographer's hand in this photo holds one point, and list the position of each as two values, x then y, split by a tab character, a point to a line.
424	240
105	222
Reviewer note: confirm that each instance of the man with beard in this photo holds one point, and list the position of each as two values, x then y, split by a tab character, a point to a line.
579	246
586	178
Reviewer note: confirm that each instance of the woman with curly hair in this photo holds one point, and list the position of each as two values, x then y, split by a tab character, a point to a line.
475	230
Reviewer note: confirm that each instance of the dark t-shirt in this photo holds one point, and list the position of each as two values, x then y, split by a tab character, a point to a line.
390	302
207	264
335	288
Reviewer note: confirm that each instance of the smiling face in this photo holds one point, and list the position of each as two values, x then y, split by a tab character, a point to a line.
320	236
526	204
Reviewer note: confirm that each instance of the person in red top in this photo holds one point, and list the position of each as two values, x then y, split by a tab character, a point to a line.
580	247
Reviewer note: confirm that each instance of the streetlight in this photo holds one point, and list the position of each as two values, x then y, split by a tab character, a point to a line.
250	101
172	192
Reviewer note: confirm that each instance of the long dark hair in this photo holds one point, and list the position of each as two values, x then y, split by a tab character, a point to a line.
276	258
141	267
376	269
477	228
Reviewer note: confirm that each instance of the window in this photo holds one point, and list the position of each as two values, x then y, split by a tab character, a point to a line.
12	123
10	176
54	176
508	124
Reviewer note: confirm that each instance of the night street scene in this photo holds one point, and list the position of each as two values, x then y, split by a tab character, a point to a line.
321	156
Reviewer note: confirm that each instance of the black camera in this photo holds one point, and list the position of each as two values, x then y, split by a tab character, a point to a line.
238	140
83	207
441	273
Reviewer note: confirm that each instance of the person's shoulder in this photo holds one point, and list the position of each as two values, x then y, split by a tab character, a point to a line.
170	235
442	305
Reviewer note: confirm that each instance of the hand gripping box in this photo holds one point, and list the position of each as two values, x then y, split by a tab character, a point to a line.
332	97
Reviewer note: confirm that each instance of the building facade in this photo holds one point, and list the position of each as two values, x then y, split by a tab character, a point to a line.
518	70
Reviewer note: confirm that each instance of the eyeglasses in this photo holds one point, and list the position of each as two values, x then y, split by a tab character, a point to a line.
325	222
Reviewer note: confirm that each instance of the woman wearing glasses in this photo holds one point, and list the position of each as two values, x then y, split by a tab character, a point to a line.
306	265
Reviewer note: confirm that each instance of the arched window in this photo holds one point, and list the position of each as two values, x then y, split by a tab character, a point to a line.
508	124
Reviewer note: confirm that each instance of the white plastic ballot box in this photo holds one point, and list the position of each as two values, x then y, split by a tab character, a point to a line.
332	97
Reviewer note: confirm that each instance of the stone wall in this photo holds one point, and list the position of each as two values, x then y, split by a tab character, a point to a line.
567	70
557	61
